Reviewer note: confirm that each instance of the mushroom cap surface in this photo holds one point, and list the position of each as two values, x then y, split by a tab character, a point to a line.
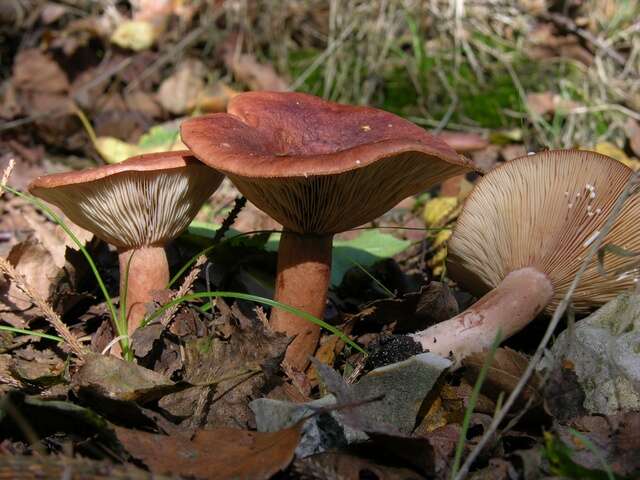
315	166
544	211
145	200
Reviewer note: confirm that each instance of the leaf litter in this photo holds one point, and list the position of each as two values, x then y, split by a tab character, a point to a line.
208	397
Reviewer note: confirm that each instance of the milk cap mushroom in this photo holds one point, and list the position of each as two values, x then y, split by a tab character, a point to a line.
138	206
318	168
523	234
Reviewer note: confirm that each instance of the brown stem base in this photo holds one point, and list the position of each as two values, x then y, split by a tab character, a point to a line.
304	271
509	308
148	272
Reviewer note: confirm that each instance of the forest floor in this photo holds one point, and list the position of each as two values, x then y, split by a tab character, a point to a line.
87	83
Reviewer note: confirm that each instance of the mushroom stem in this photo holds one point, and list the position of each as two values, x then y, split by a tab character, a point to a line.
509	307
304	271
148	272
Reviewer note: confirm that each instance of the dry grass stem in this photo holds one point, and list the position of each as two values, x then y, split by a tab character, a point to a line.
7	173
52	317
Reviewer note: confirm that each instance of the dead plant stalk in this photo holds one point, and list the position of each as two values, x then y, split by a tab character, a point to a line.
52	317
557	315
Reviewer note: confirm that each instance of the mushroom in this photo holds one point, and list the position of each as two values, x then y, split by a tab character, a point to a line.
523	233
138	206
318	168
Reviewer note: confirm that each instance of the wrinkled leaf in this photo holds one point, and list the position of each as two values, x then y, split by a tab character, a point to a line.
222	453
119	380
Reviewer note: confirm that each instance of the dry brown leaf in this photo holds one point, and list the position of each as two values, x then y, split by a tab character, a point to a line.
179	93
256	75
541	103
215	98
503	374
632	128
35	71
222	453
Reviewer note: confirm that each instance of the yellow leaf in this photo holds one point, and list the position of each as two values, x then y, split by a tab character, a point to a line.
438	209
610	150
113	150
134	35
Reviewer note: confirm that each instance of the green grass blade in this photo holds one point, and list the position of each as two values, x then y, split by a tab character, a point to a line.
31	332
472	404
257	299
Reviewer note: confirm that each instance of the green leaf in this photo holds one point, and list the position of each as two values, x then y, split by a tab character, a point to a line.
367	249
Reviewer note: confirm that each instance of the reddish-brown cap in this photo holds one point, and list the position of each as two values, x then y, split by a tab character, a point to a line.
145	200
317	166
544	211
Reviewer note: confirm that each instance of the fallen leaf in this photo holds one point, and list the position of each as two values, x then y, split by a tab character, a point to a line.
463	142
610	150
632	127
256	75
503	374
117	379
541	103
512	151
136	35
237	367
33	70
563	395
216	97
223	453
615	437
179	92
437	210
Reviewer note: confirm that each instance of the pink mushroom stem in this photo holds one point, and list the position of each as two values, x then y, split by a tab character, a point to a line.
304	272
148	272
509	307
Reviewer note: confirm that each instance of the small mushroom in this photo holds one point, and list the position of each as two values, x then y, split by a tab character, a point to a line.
318	168
523	233
138	206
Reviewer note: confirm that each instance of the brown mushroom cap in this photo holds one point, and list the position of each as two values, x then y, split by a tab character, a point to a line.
544	211
317	166
143	201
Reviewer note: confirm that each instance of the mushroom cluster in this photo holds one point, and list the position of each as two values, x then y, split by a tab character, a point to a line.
320	168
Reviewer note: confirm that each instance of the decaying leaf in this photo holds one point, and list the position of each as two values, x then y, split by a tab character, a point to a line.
116	379
504	374
222	453
33	70
179	93
615	438
258	76
136	35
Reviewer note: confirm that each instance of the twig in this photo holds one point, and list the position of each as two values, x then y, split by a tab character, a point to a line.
52	317
557	315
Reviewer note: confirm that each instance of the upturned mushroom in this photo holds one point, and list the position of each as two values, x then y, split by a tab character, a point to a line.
318	168
138	206
523	234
